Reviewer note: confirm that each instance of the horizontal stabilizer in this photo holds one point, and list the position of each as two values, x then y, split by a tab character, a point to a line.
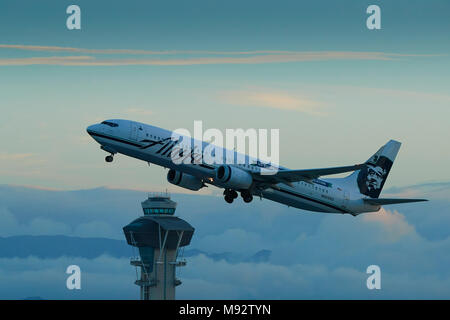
390	201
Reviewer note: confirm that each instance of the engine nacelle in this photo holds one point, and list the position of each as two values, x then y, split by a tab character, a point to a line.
184	180
233	178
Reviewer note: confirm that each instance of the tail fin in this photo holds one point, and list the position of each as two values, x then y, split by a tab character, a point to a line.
370	179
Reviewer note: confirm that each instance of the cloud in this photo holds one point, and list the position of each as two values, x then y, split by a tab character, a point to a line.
9	225
101	278
199	57
310	54
68	61
95	229
236	239
81	50
274	100
14	156
394	224
224	280
105	277
133	51
314	255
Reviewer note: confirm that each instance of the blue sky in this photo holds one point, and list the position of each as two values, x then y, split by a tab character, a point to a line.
231	64
312	69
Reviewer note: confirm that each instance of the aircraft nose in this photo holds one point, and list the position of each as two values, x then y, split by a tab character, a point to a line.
92	129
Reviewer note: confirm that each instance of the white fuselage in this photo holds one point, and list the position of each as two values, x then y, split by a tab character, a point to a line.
322	195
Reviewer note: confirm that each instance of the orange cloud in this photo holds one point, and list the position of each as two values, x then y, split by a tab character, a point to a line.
14	156
40	48
393	223
232	57
274	100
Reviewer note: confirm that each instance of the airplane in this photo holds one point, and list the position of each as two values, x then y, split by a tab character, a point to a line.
303	189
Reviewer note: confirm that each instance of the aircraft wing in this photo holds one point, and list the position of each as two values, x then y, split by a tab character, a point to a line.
288	176
384	201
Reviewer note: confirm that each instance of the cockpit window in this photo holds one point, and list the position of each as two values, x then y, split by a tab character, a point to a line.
111	124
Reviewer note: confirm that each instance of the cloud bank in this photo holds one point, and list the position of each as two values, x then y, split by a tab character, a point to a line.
312	255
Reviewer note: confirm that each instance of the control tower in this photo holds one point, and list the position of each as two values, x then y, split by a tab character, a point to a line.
158	235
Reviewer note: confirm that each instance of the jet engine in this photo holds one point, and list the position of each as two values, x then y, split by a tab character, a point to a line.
184	180
233	178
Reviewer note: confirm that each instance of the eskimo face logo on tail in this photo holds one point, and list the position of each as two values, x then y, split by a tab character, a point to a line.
371	178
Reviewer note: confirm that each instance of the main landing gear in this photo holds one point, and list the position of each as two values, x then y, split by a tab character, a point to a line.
230	195
246	196
109	158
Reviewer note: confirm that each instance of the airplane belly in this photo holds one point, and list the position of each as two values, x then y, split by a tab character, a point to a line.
297	201
134	152
164	161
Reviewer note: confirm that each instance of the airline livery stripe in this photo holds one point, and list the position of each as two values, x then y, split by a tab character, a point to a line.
170	148
114	139
165	146
312	200
207	166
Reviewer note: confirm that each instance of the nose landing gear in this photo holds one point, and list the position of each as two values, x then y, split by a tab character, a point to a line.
111	151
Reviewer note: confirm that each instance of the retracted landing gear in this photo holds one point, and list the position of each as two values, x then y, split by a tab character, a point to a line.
230	195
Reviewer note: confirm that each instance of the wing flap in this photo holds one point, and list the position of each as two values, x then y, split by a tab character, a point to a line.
386	201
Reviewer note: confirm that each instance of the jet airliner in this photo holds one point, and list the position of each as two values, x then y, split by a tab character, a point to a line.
304	189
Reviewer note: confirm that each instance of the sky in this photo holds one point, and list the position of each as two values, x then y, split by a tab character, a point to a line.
336	90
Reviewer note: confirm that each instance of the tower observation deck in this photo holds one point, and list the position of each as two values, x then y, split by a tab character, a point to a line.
158	235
